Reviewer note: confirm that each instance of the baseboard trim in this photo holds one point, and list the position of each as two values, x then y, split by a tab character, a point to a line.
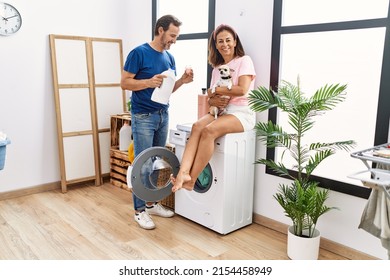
325	244
46	187
30	190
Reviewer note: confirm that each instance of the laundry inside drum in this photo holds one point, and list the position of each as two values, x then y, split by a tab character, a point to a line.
205	180
155	173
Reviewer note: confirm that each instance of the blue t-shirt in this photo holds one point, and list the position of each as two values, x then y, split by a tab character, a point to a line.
145	62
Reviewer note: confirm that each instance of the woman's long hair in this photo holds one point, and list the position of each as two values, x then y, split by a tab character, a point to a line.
215	58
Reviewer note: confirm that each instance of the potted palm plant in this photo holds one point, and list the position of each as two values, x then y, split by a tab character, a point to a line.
303	200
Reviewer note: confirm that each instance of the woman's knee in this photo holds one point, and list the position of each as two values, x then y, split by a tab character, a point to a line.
197	127
209	132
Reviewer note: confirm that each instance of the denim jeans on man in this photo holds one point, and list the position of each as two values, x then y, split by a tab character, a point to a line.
149	130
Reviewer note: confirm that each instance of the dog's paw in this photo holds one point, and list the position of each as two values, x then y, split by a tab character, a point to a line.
214	111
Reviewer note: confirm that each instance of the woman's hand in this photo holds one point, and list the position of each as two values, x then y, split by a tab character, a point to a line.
219	101
209	93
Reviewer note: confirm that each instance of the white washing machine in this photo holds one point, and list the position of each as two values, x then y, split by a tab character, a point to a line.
222	199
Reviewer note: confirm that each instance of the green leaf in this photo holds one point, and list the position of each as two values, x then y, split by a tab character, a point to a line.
315	160
340	145
279	168
261	99
272	135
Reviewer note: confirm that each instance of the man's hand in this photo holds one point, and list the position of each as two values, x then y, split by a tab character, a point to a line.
188	76
156	81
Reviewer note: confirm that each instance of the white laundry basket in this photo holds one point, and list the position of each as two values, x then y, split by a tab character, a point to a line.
3	147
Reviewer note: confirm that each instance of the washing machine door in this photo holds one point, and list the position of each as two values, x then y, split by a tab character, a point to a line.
205	180
150	173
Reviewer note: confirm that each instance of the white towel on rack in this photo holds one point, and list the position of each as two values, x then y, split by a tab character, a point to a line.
376	215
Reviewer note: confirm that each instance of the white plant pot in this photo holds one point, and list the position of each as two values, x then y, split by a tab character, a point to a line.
303	248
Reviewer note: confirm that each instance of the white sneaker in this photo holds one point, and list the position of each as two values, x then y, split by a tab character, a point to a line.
144	220
159	210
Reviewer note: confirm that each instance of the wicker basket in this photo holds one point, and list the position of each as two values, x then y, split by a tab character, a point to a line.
163	178
169	201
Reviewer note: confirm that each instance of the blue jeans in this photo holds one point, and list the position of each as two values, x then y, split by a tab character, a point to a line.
149	130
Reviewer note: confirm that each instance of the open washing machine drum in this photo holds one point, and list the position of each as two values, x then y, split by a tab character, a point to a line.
150	173
205	180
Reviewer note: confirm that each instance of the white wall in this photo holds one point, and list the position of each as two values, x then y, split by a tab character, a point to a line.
27	111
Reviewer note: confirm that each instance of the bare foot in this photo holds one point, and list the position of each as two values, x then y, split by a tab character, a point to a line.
189	186
181	178
173	179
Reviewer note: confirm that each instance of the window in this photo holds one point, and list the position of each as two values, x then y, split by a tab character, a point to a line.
190	49
193	14
328	42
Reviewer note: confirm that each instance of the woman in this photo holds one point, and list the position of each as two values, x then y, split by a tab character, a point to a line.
224	48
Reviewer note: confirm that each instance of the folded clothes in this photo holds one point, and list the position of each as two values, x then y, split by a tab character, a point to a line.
376	215
383	153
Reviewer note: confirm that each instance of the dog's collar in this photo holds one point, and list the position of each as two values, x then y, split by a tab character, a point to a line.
226	78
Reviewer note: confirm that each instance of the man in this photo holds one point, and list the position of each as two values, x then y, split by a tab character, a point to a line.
150	120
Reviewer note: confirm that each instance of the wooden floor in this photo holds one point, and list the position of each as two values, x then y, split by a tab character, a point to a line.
97	223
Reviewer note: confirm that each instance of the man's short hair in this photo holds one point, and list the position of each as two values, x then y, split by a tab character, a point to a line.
165	22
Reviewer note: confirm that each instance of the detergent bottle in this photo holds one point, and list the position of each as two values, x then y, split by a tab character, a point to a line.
203	106
125	136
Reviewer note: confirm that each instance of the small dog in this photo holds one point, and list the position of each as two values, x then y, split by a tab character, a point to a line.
224	81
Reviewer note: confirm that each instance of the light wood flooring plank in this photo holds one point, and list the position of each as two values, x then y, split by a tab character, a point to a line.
11	244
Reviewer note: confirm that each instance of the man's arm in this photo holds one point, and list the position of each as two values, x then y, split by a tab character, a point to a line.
187	77
128	81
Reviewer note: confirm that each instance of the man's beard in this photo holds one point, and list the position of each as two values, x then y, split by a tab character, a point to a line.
165	44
